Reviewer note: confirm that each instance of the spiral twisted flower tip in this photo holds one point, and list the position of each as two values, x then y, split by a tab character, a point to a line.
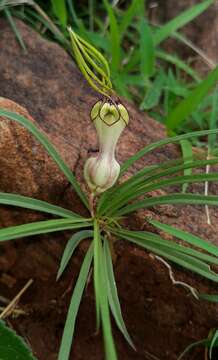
101	171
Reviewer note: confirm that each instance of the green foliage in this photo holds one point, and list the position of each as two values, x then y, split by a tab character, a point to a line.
187	154
187	237
69	327
147	51
168	89
71	247
12	346
60	11
37	205
115	40
186	107
179	21
113	294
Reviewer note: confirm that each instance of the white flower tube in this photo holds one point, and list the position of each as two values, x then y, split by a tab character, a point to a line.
101	171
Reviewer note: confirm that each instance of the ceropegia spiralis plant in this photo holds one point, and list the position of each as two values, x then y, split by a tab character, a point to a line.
109	201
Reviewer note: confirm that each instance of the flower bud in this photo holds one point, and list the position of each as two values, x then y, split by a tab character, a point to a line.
101	171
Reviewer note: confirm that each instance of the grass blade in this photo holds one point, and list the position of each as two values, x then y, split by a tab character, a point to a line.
185	108
70	248
213	343
208	297
97	271
15	29
163	142
186	147
114	38
49	148
41	227
114	196
153	94
177	62
171	245
128	16
178	257
146	49
34	204
179	21
210	342
101	297
192	346
110	350
191	199
142	190
213	122
59	8
69	327
113	295
185	236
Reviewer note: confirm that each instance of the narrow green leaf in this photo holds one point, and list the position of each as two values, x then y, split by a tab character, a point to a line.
146	49
205	342
174	88
185	40
192	346
191	199
121	85
186	147
114	38
15	29
49	148
213	122
12	346
34	204
115	195
187	237
171	245
128	16
113	295
69	327
110	350
155	145
70	248
179	21
41	227
97	271
75	19
178	257
208	297
214	342
142	190
176	61
101	297
153	94
59	8
185	108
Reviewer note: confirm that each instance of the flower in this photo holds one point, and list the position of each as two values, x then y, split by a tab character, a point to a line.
110	119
